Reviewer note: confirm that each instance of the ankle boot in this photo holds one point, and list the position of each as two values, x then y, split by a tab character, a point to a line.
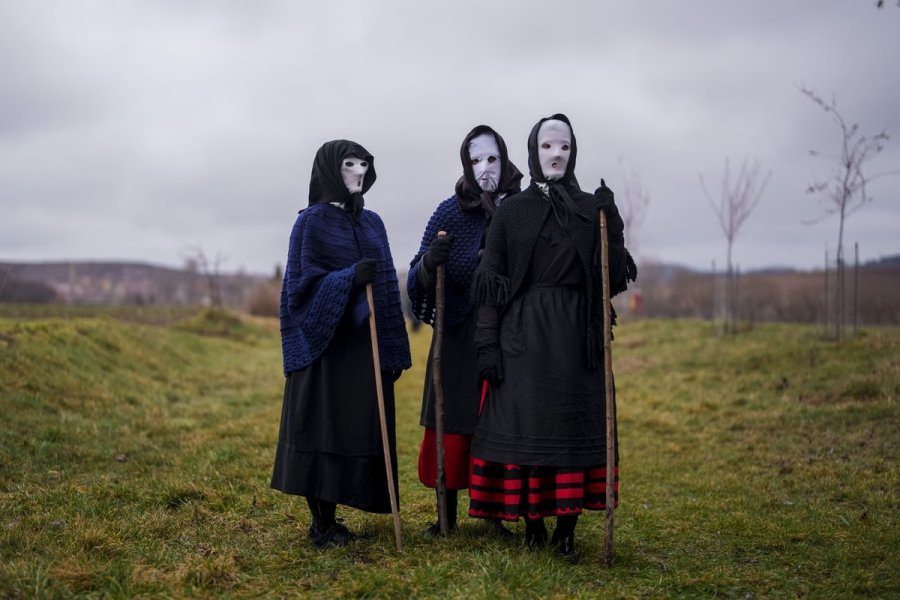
434	529
535	533
497	528
564	537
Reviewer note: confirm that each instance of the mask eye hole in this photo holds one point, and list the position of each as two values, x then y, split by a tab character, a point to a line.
492	159
474	161
545	146
364	164
565	147
348	163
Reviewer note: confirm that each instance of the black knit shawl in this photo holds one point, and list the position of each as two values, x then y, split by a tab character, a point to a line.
468	193
326	183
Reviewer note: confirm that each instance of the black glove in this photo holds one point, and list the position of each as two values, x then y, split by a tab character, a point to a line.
606	201
438	253
391	375
490	365
365	272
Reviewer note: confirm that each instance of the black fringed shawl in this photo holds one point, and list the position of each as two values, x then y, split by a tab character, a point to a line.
515	228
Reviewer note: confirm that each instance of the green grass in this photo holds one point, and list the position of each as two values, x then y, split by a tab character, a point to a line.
135	456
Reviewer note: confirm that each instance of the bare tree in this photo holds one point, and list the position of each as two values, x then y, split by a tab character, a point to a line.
844	191
737	200
209	268
634	207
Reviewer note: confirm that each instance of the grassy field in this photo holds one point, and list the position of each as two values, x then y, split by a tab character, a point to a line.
135	455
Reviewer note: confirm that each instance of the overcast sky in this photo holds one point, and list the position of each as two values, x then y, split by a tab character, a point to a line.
135	130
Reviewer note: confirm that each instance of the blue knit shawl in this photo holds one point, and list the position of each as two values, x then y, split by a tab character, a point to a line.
467	228
317	291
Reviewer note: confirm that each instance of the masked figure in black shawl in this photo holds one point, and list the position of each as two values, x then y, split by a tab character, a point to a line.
488	177
329	444
540	445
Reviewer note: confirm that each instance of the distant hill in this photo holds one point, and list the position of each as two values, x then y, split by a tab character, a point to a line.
768	294
886	261
120	283
665	271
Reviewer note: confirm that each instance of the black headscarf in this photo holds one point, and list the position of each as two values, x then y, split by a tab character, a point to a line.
326	183
560	189
468	193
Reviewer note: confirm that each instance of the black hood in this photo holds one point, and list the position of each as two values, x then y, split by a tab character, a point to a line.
468	192
326	183
560	191
534	164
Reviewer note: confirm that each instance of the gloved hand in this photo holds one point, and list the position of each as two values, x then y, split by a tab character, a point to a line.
438	252
490	365
365	272
606	200
391	375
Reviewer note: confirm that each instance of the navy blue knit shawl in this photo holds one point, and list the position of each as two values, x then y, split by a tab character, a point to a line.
317	289
467	228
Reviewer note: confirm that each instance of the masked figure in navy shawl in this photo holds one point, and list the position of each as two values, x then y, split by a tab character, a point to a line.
329	443
488	177
539	448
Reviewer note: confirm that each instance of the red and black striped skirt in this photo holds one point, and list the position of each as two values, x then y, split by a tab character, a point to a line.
499	491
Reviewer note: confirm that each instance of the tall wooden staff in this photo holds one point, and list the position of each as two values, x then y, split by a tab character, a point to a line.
439	393
385	442
610	389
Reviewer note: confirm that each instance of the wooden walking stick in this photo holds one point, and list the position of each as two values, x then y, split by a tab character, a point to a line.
385	442
439	394
609	388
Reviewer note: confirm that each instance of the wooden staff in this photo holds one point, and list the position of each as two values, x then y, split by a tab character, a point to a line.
385	442
438	344
610	389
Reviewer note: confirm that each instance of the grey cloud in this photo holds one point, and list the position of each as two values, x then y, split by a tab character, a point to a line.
136	129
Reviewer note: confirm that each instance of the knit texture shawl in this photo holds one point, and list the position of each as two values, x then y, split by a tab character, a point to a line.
467	228
325	245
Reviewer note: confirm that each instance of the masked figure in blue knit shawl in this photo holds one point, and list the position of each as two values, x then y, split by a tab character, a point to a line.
488	177
329	444
540	445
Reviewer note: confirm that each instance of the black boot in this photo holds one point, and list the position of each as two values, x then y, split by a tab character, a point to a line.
325	531
497	528
316	524
564	537
434	529
535	533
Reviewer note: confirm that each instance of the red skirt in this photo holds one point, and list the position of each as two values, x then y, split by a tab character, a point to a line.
456	460
507	492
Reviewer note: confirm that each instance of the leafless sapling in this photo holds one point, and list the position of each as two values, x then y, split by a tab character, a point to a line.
844	191
737	200
634	205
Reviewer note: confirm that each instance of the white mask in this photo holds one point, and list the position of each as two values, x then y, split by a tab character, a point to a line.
353	170
554	148
485	160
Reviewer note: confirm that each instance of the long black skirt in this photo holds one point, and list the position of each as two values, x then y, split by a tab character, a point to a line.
550	410
459	377
329	442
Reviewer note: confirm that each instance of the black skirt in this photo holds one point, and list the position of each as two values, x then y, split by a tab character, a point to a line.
550	408
329	442
459	377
